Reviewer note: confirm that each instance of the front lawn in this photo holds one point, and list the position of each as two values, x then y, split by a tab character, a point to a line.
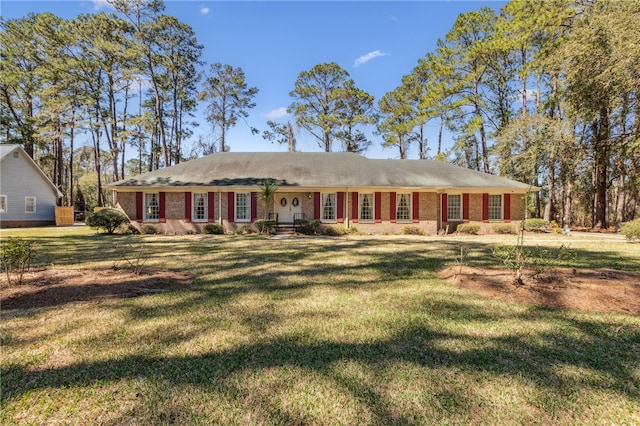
356	330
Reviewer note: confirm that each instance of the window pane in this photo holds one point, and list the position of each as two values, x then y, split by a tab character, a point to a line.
30	204
151	206
199	206
454	207
329	206
3	203
403	210
366	206
242	206
495	207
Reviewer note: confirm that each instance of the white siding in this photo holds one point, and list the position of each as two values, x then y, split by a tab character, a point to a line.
19	178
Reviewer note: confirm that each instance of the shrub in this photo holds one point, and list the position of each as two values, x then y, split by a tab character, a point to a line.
504	228
16	255
412	230
352	230
108	219
265	226
536	225
468	228
309	227
335	231
148	229
244	230
631	230
213	228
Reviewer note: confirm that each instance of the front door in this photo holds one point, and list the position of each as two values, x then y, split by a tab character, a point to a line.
289	207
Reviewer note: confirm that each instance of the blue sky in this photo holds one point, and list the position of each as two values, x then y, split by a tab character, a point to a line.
377	42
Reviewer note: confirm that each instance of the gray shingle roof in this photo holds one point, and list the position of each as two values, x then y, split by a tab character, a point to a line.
315	170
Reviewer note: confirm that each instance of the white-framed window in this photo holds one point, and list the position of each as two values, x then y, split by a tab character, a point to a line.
403	207
151	206
454	207
495	207
200	201
29	204
329	202
3	203
243	206
366	207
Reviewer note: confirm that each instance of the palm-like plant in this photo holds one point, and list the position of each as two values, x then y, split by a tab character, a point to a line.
267	196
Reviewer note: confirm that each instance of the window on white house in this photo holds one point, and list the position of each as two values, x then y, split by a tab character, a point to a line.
403	207
200	206
329	206
454	207
243	207
366	207
29	204
3	203
495	207
151	206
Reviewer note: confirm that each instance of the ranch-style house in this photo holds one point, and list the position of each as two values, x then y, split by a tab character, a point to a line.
339	189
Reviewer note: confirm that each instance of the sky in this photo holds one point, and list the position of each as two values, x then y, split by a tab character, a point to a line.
376	42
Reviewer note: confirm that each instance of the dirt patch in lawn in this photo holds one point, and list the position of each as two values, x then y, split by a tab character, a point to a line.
597	290
52	287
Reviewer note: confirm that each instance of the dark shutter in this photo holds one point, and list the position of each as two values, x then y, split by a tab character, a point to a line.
340	207
485	207
231	198
139	207
354	207
445	214
187	207
316	205
416	207
162	207
378	207
465	207
210	207
507	207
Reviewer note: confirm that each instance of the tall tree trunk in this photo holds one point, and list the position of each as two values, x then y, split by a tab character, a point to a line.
568	202
600	167
441	127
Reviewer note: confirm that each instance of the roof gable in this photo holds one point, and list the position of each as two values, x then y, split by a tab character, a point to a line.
7	151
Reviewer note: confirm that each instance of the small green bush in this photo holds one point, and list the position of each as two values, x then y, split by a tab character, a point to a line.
148	229
536	225
107	219
353	230
503	228
265	226
16	255
335	231
213	228
631	230
244	230
312	227
468	228
412	230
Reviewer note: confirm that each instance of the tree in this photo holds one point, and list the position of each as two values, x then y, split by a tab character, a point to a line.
281	133
317	101
266	195
354	109
396	119
229	98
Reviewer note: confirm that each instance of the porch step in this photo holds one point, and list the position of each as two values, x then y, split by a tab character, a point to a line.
285	229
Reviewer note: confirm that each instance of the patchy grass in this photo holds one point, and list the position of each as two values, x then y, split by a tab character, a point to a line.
355	330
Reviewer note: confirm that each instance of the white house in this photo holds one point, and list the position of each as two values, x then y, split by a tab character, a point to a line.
27	196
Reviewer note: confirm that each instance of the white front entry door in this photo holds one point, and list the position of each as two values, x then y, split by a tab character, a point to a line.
287	207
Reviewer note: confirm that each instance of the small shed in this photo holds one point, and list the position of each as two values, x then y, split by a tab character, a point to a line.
27	196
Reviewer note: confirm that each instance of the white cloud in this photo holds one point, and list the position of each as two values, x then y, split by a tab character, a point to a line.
204	10
101	4
394	18
369	56
276	113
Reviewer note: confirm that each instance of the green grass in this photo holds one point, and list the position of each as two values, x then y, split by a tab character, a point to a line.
355	330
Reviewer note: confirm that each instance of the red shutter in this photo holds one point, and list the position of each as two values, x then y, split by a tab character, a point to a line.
162	206
378	207
354	207
254	206
507	207
139	215
465	207
231	199
445	214
340	212
187	207
316	205
485	207
416	207
210	207
392	207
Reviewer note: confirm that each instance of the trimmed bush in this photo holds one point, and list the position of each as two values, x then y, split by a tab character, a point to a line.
213	228
335	231
412	230
468	228
503	228
265	226
631	230
309	227
107	219
244	230
536	225
148	229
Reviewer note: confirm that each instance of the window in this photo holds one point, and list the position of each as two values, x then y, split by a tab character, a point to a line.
29	204
454	207
3	203
200	206
243	207
495	207
151	206
403	207
366	206
329	206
